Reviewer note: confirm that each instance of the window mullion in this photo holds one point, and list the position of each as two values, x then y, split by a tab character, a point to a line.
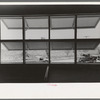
75	39
23	28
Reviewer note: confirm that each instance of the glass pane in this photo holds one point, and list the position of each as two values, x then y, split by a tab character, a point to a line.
11	28
88	27
11	52
88	52
36	27
36	52
62	27
62	52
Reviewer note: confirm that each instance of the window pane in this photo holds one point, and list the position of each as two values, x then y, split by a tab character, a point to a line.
36	52
11	52
88	27
36	27
11	28
88	51
62	52
62	27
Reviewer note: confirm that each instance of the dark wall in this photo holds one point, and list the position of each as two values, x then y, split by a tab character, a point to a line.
16	73
47	9
74	73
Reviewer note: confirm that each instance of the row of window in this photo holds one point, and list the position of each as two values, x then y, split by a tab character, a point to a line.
61	27
60	52
55	40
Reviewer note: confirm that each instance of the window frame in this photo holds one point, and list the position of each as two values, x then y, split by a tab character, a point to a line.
75	39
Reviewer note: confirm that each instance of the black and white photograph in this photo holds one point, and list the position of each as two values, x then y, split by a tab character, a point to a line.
49	49
49	43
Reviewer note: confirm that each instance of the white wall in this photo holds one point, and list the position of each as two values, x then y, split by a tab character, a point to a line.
50	90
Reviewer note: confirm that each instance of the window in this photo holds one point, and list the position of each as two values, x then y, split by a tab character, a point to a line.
88	27
36	52
88	39
88	51
36	48
62	27
36	28
11	40
62	52
50	40
11	52
62	39
11	28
